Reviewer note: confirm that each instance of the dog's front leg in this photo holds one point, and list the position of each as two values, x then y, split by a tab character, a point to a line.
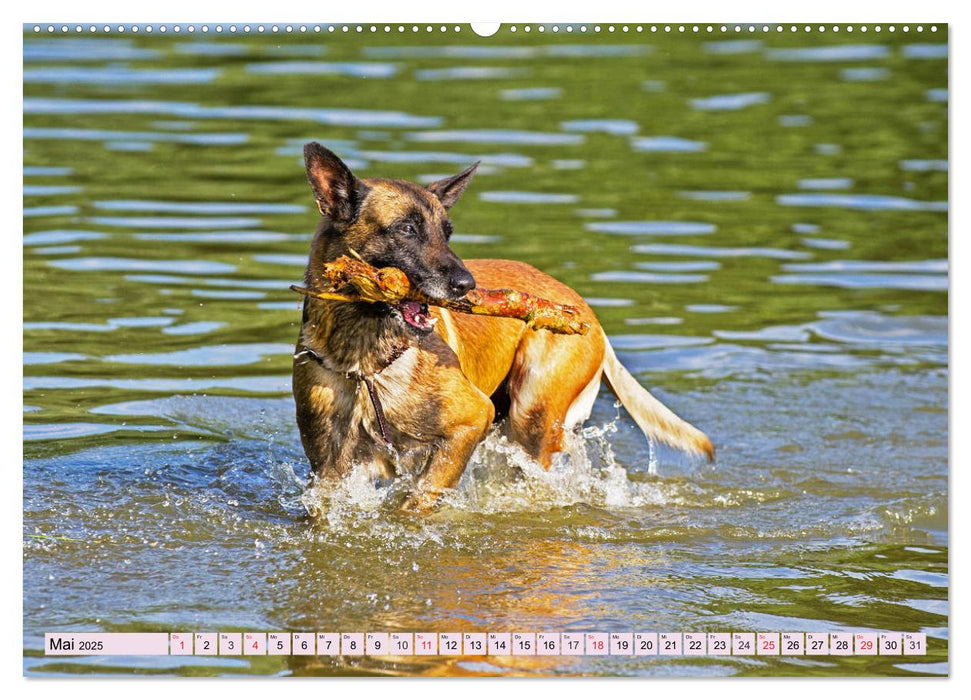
450	458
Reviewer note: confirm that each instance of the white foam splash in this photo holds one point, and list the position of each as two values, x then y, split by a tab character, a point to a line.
335	500
500	478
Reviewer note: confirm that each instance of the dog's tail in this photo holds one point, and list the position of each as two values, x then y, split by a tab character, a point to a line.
657	421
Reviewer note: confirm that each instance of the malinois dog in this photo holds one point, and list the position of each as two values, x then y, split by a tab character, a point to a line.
408	389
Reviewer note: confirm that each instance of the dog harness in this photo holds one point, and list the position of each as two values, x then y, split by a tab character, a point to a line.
367	381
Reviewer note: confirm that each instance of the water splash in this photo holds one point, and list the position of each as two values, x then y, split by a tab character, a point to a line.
500	478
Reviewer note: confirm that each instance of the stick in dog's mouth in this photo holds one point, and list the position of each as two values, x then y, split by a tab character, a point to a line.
353	280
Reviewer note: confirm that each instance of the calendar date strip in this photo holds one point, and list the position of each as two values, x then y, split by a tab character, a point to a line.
471	644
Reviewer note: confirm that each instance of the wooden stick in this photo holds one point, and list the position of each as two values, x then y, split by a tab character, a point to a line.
353	280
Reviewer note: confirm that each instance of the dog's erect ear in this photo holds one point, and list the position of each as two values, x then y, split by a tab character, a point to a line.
450	189
335	188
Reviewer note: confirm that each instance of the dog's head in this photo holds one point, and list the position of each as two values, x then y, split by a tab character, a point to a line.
390	223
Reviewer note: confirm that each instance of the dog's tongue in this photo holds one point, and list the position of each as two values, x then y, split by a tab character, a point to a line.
415	314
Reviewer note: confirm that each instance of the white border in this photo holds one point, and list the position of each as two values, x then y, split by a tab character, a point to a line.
421	11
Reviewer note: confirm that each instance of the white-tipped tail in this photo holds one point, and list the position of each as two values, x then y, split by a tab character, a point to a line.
656	420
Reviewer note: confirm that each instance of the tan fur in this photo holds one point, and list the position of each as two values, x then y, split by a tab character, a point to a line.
547	373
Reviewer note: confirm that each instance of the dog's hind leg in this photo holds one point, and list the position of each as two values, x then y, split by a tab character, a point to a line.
552	386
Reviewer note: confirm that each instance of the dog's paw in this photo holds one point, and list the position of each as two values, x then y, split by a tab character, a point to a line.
420	503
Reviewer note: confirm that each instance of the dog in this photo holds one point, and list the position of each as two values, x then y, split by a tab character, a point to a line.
408	389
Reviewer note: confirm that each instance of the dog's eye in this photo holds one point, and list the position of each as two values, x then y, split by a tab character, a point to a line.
407	229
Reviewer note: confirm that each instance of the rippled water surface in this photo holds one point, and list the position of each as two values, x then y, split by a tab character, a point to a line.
761	225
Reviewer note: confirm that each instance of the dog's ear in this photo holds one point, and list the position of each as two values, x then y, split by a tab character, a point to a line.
337	191
450	189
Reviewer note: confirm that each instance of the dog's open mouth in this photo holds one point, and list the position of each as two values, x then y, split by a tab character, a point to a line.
416	315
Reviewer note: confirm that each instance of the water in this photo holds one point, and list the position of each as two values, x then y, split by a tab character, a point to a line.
766	249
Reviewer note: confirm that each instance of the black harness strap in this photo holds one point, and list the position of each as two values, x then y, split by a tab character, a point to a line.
368	384
378	412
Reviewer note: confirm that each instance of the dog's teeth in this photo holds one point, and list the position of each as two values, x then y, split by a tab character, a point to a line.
432	321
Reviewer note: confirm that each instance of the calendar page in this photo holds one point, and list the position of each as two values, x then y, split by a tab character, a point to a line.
394	349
